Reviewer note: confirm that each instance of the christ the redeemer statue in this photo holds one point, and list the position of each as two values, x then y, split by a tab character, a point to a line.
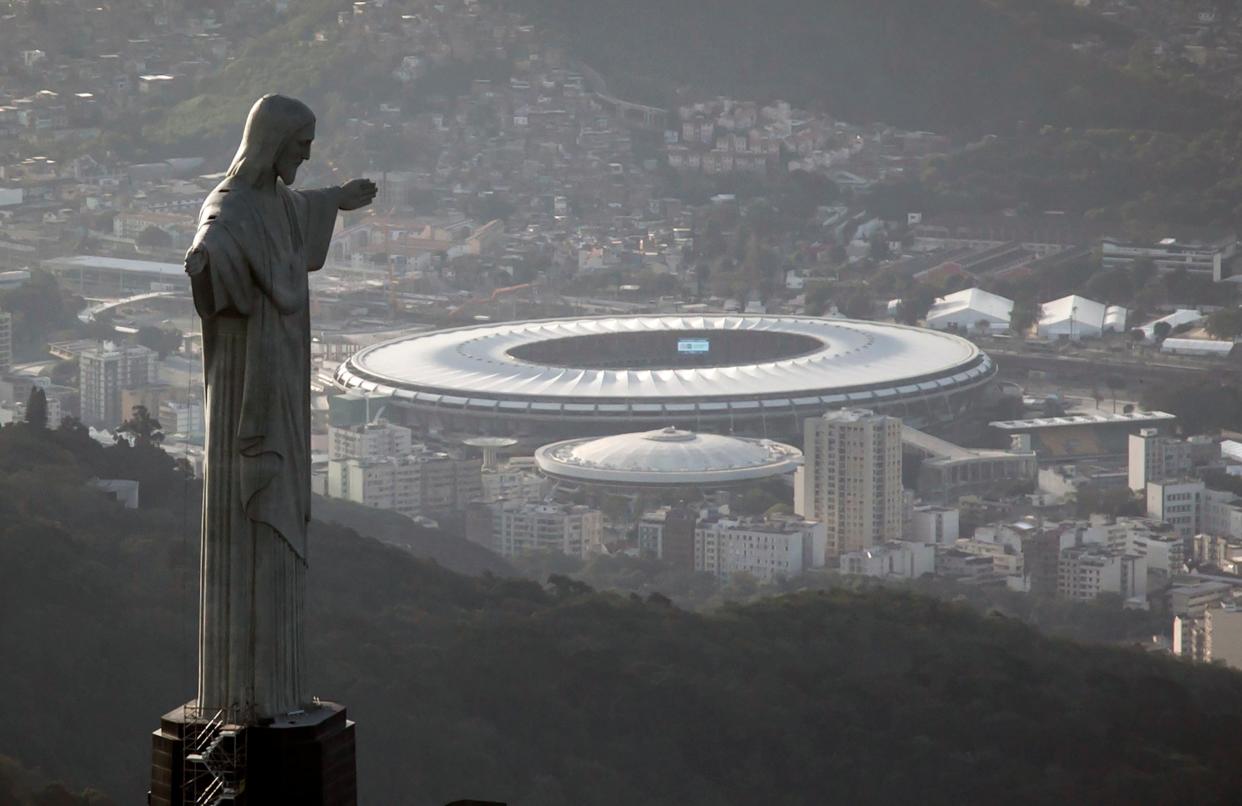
248	265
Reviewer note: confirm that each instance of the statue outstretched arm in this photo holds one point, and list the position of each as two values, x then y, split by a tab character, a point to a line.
356	193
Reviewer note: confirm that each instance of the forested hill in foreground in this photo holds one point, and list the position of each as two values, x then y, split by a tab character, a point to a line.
556	695
954	66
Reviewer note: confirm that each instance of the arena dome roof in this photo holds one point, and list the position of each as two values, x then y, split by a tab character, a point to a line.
667	456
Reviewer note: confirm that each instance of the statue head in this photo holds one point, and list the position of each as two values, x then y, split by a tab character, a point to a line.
277	138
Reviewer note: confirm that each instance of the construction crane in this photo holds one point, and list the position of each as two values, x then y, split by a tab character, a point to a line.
470	305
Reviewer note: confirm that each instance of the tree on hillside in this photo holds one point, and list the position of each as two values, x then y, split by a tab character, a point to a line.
39	308
1226	324
1024	316
36	408
158	339
915	304
1142	271
1201	406
878	247
144	429
857	303
155	238
1114	286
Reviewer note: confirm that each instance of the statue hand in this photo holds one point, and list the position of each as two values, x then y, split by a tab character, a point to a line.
357	193
195	260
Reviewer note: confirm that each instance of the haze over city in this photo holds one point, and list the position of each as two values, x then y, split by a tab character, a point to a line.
556	403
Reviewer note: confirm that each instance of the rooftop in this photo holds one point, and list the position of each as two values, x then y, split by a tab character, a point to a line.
971	299
1082	419
117	264
667	456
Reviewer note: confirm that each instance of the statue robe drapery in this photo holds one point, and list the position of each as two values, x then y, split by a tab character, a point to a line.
252	296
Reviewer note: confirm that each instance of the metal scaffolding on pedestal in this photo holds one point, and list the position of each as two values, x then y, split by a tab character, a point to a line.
214	757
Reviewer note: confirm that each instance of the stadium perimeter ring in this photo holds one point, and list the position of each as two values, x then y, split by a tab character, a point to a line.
754	375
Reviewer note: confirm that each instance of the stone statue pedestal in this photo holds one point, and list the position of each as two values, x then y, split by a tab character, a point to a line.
305	758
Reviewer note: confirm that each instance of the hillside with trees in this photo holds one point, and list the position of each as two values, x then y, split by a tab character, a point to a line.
1138	151
554	694
969	67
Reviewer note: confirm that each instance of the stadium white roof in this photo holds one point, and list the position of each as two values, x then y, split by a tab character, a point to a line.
855	362
970	304
117	264
666	456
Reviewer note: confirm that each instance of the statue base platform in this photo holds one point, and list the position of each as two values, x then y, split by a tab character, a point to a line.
303	758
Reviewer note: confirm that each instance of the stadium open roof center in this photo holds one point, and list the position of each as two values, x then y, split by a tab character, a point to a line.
667	349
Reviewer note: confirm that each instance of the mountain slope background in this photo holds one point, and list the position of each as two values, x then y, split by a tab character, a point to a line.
967	67
502	688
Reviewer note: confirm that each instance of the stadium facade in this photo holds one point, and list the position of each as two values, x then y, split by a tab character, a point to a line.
751	375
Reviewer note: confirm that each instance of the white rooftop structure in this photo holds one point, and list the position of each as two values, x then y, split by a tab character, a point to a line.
1083	419
1182	316
1196	347
88	262
963	310
667	456
1077	317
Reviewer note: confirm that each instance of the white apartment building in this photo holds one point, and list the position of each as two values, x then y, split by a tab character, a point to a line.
851	479
1156	458
1006	561
105	370
933	524
449	483
1178	503
513	483
1086	571
896	559
1219	550
1193	509
1213	637
765	549
519	527
418	482
1165	551
394	483
1192	600
378	440
1222	514
182	418
1171	254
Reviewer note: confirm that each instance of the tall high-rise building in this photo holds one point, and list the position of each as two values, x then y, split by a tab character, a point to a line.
379	466
378	440
104	371
851	478
765	549
6	342
393	483
519	527
1179	502
1156	458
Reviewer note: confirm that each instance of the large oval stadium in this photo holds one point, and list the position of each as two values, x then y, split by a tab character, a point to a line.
753	375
